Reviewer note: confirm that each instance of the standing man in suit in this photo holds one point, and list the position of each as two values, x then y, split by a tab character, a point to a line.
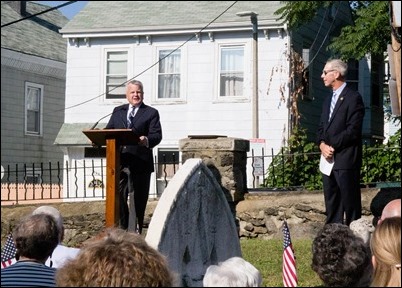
136	160
340	140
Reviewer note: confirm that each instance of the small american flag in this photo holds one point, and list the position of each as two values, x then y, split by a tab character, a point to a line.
8	252
289	274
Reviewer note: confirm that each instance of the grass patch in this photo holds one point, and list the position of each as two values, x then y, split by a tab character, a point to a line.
266	256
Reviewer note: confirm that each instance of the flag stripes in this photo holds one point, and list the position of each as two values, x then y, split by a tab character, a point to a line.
8	252
289	273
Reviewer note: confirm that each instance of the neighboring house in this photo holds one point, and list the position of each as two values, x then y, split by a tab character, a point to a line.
33	75
196	59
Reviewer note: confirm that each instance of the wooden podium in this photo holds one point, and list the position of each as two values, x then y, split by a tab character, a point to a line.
113	139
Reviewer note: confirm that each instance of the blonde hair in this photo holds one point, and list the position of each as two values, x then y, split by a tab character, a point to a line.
386	249
116	259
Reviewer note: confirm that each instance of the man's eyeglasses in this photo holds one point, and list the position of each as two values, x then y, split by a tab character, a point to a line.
326	72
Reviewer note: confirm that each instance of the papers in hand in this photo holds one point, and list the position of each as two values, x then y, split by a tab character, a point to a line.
326	165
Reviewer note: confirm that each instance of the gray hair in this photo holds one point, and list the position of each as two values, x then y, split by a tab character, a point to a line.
234	272
136	82
49	210
340	66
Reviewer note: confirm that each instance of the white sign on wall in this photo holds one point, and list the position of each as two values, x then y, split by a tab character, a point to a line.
257	149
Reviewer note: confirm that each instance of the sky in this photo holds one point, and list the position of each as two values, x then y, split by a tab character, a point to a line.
69	10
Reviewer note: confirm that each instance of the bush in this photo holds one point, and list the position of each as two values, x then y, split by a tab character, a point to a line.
296	166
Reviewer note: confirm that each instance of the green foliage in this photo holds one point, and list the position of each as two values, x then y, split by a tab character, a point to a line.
370	32
296	13
296	165
266	256
382	163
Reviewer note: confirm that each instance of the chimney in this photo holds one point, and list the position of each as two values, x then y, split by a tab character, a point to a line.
19	6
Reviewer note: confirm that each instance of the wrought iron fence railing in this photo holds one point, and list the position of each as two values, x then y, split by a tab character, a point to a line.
85	180
381	166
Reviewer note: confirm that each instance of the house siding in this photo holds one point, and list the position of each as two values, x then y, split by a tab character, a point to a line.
18	148
32	50
199	111
310	108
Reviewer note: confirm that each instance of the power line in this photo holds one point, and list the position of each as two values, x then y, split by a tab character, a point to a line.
325	38
157	62
40	13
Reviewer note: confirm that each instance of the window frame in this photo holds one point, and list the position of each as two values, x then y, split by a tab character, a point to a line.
33	176
172	167
183	76
247	58
104	76
353	74
307	76
40	87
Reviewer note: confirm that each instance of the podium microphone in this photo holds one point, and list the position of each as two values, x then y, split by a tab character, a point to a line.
122	107
97	122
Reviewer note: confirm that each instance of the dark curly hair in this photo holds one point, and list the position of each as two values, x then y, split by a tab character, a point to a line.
340	258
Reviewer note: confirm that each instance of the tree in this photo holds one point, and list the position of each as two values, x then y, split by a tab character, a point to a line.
370	33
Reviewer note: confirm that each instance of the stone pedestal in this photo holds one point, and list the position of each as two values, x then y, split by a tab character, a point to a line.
226	157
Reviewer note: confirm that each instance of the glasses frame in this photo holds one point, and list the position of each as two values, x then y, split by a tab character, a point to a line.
326	72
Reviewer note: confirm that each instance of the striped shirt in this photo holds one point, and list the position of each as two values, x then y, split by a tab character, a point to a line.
28	274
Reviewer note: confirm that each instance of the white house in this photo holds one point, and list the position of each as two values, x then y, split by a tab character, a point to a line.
196	60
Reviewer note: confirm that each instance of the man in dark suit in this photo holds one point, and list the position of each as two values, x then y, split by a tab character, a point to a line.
136	160
340	140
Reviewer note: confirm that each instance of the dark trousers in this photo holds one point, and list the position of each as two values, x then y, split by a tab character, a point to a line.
342	196
133	187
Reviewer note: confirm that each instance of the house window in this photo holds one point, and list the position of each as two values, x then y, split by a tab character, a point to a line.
167	166
306	75
353	74
33	108
377	80
169	76
95	152
116	74
32	176
231	72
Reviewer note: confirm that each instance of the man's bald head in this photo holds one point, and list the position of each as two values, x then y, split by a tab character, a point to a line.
392	209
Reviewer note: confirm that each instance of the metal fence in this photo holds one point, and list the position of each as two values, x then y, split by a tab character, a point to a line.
84	180
381	167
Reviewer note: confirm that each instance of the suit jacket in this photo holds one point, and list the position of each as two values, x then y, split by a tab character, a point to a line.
344	130
146	122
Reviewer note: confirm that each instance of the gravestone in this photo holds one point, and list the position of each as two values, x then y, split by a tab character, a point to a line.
192	224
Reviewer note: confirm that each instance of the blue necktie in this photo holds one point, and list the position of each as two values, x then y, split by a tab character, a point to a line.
333	102
131	118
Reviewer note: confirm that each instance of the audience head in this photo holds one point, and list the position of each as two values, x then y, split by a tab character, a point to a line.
35	237
49	210
381	199
233	272
392	209
116	259
340	258
386	250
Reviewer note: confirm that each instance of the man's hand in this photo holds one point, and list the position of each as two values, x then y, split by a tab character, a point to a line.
143	141
327	151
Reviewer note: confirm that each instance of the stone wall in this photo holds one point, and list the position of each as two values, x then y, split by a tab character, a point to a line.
259	214
226	157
